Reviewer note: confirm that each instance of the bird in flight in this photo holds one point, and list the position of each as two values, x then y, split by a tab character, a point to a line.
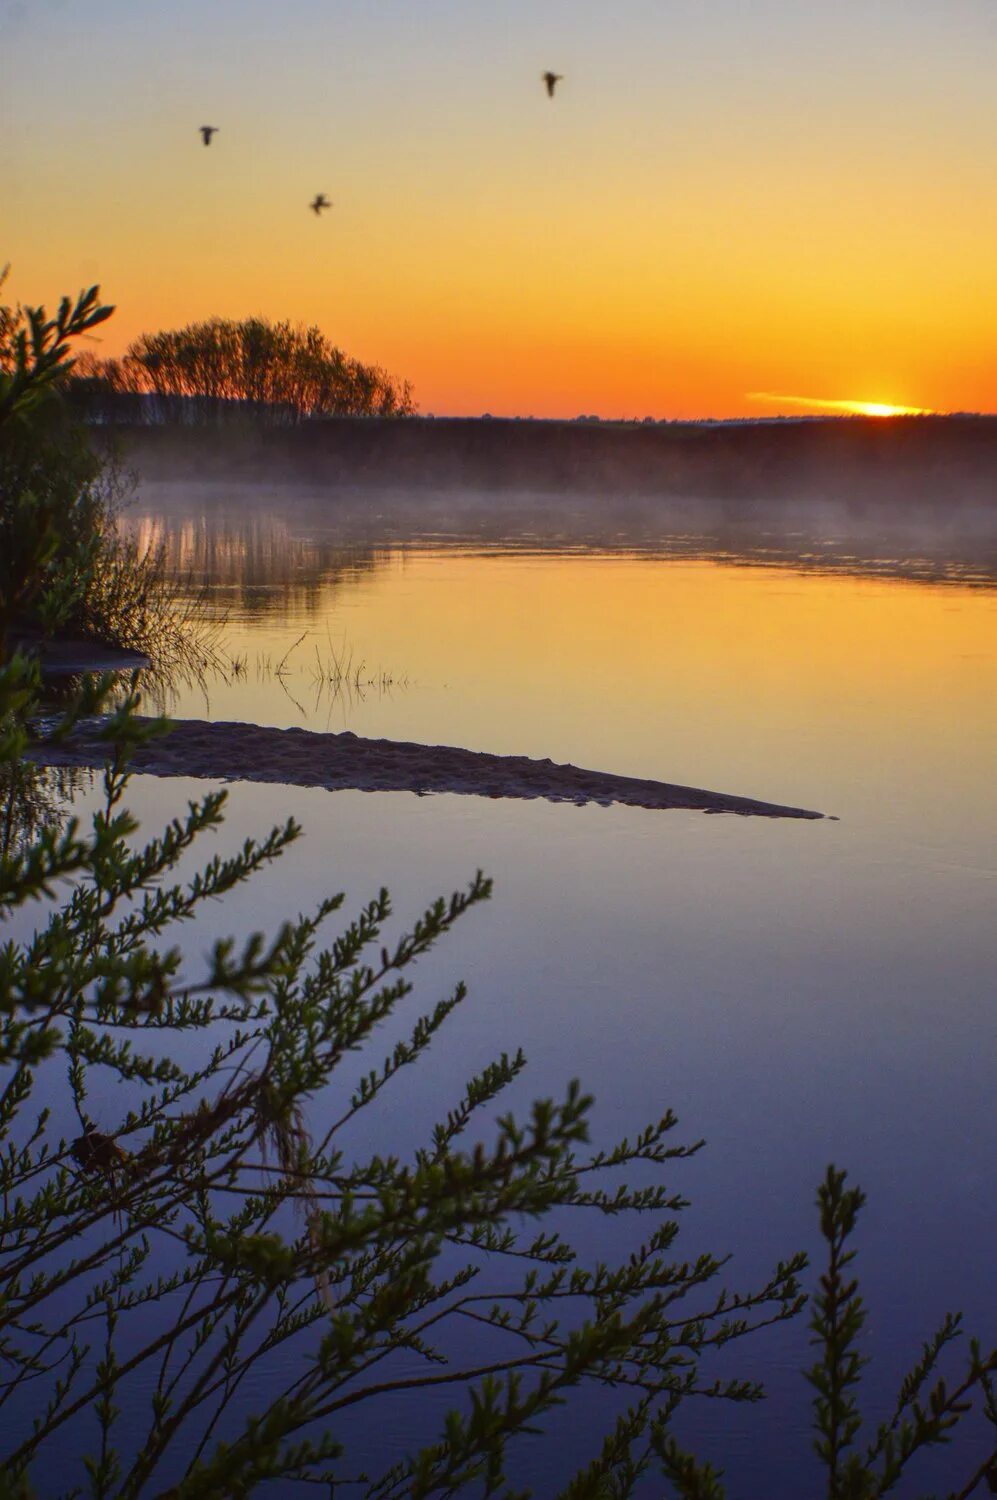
319	202
207	131
551	80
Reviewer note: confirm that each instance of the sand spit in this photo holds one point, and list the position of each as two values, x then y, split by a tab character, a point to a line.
301	757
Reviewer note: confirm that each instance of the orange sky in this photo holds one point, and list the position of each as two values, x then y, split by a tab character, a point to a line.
721	200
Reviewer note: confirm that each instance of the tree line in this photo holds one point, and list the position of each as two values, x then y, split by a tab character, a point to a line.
278	373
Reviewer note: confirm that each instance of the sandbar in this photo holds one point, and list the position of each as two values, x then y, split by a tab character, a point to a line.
303	757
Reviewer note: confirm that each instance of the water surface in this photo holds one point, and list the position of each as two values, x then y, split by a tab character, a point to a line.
798	992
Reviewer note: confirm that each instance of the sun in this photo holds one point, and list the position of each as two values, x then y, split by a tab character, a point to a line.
880	409
848	408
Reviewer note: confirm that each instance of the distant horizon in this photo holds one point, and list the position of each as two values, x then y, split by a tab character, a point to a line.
756	419
598	419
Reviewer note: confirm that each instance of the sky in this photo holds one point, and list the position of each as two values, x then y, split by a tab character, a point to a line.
730	207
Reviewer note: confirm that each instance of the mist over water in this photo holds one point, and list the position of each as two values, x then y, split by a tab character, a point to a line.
208	529
912	498
799	993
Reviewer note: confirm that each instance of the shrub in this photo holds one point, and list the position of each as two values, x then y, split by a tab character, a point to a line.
64	563
927	1409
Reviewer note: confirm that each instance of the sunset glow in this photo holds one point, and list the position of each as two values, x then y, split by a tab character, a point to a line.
720	198
846	408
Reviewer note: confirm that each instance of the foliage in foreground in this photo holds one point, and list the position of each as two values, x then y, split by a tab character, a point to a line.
200	1191
927	1410
65	565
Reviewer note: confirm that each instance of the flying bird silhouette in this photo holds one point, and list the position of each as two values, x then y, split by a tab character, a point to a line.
551	80
319	202
207	131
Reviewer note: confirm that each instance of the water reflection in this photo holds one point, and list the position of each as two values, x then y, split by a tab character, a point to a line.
262	549
36	799
257	564
751	681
